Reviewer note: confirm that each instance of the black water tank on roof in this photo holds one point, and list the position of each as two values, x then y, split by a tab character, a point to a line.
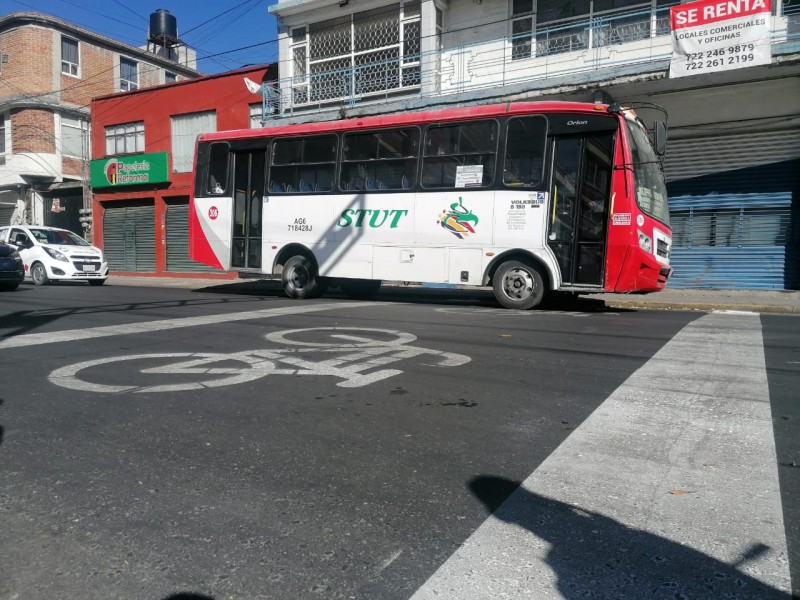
163	26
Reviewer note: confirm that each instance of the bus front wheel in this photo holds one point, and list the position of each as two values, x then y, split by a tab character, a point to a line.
518	285
300	278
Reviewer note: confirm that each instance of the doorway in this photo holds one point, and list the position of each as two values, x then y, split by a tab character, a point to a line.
580	193
248	198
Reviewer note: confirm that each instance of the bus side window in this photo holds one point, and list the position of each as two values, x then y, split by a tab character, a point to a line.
379	160
303	165
460	155
523	163
218	157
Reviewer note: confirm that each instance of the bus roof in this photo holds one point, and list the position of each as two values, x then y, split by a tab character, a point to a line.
411	118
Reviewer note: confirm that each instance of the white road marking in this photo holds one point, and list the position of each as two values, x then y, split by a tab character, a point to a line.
607	515
349	361
71	335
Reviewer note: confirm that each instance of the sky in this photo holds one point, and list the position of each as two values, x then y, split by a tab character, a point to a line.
226	34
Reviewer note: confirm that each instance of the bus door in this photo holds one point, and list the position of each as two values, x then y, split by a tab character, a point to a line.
248	198
580	197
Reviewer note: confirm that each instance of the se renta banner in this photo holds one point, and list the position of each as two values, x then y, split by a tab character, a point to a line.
719	35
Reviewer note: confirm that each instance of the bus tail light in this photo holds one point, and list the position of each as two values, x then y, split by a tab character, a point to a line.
645	242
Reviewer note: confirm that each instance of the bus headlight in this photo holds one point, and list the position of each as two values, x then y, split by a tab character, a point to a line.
645	242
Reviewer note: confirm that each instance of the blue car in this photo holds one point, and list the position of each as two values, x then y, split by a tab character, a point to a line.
11	270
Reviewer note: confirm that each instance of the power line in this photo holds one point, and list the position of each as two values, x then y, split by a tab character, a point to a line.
130	10
219	15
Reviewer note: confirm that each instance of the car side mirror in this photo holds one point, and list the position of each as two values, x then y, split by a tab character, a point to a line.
660	137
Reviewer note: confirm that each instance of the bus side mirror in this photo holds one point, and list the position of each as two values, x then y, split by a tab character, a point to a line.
660	137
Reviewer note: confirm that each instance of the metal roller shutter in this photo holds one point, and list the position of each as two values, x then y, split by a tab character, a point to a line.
6	212
734	206
129	237
696	157
731	241
177	231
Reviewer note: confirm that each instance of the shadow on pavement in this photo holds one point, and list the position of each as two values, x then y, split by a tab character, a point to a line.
421	295
595	556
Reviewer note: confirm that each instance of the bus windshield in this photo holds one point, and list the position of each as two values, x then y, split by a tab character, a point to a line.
651	192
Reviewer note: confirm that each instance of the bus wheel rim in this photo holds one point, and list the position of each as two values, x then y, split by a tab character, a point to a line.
518	284
300	277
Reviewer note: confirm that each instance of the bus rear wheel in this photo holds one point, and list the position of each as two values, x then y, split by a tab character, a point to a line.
301	280
518	285
360	289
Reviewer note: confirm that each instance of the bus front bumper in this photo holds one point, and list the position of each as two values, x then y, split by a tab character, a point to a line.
642	273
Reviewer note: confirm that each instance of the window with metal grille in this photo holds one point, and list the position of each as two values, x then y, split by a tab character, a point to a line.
185	129
128	74
460	156
170	77
731	227
126	138
256	115
74	137
521	29
561	24
70	61
364	53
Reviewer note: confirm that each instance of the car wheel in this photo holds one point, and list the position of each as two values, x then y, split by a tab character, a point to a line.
300	278
360	289
97	281
8	287
39	274
518	285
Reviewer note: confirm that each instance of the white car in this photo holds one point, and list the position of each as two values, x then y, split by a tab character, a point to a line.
52	254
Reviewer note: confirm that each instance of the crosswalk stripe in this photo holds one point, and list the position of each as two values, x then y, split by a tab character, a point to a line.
669	489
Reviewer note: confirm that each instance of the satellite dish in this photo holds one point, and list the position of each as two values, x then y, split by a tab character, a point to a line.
252	86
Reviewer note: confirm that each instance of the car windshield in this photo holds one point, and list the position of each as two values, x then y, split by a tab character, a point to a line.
58	236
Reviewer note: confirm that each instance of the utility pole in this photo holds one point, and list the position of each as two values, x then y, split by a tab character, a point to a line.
86	211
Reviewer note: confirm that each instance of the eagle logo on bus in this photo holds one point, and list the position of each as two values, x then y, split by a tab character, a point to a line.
458	220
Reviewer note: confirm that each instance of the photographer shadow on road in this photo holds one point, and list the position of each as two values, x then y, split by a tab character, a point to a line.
594	556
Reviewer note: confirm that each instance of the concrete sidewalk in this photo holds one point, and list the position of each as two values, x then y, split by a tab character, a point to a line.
761	301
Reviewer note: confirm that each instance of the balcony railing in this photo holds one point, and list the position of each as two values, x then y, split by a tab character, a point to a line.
574	46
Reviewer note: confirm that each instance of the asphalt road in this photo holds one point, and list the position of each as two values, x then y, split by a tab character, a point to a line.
165	443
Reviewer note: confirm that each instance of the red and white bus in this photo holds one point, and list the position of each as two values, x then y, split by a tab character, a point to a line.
526	197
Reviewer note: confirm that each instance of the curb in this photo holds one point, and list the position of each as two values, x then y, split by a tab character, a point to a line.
704	306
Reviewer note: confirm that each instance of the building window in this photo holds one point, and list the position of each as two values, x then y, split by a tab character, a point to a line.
128	75
70	60
185	129
127	138
256	115
74	137
360	54
521	29
170	77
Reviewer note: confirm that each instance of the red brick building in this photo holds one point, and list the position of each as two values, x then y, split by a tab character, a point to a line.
143	146
50	70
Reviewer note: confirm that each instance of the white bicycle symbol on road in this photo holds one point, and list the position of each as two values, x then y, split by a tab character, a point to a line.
352	356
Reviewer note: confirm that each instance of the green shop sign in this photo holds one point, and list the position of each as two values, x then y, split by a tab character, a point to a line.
130	170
